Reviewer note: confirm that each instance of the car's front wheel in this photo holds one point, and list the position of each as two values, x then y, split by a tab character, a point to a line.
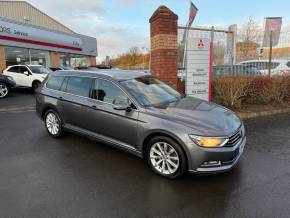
53	124
4	90
166	158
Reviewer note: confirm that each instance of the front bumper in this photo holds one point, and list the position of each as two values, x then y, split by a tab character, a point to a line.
212	161
10	83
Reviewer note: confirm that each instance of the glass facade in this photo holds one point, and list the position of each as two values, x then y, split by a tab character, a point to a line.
39	57
15	55
72	60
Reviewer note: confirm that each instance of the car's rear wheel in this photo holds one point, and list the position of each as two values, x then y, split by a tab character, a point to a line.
35	85
166	158
4	90
53	124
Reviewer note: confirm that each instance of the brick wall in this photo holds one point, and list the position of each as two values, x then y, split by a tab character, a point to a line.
2	59
164	46
54	59
93	61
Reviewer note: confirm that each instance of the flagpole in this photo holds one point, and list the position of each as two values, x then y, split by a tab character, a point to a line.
185	45
186	37
185	48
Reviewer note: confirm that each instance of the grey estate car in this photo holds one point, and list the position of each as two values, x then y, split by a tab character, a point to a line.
140	114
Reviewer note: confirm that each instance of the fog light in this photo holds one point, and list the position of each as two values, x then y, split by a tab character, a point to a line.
211	164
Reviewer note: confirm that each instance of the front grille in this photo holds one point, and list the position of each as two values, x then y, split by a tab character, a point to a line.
234	139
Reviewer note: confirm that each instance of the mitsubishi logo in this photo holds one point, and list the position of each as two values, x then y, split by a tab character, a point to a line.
200	44
273	25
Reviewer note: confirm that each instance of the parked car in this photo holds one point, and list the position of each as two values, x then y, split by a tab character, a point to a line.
235	70
142	115
27	75
60	68
6	83
278	66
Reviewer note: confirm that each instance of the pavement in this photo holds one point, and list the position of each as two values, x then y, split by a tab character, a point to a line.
77	177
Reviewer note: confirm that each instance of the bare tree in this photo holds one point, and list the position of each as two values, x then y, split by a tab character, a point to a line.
134	53
250	31
250	36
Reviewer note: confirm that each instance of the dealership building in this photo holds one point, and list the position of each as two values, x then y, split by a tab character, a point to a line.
29	36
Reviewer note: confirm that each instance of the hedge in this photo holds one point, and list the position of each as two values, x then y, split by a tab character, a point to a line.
233	92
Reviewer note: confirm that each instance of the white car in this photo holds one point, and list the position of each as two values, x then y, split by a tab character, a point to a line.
30	76
278	66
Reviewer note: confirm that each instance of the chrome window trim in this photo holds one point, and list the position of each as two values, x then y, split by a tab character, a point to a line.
118	86
91	99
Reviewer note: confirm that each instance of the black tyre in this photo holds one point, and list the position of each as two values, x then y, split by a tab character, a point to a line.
4	90
35	85
53	124
165	157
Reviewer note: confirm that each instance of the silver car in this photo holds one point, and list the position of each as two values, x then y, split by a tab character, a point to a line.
142	115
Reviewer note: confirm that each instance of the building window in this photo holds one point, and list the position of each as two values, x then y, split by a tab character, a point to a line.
39	57
15	55
71	60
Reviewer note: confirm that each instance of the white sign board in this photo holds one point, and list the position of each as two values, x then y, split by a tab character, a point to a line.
198	68
26	34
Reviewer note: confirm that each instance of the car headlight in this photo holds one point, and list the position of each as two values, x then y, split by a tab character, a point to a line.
209	142
10	78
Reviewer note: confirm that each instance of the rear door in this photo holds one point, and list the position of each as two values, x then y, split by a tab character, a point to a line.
118	125
73	101
13	72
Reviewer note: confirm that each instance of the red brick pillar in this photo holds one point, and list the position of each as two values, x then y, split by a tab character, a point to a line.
54	59
2	59
164	47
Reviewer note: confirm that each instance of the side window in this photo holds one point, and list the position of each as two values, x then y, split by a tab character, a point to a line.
79	86
108	92
275	65
55	82
13	69
23	69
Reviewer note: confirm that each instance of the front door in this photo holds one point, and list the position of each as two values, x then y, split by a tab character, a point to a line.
118	125
24	79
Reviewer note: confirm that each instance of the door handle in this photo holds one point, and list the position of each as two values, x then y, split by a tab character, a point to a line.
94	107
60	98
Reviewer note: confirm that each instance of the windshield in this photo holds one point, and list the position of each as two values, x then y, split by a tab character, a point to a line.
149	91
40	70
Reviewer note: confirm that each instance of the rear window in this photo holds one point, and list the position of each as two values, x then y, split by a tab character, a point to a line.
55	82
79	86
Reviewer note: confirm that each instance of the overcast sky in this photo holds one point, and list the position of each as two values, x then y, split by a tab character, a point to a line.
121	24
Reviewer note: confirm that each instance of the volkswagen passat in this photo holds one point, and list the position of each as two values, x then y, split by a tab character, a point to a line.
142	115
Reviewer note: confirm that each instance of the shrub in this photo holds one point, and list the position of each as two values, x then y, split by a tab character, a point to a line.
231	91
281	88
260	90
234	91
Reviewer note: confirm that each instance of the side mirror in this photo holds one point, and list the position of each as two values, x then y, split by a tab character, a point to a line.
122	106
26	73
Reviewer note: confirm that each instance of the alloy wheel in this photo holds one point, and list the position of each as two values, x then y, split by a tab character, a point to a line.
164	158
52	124
35	85
3	90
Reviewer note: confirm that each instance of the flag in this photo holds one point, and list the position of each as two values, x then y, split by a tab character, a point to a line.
192	13
273	24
